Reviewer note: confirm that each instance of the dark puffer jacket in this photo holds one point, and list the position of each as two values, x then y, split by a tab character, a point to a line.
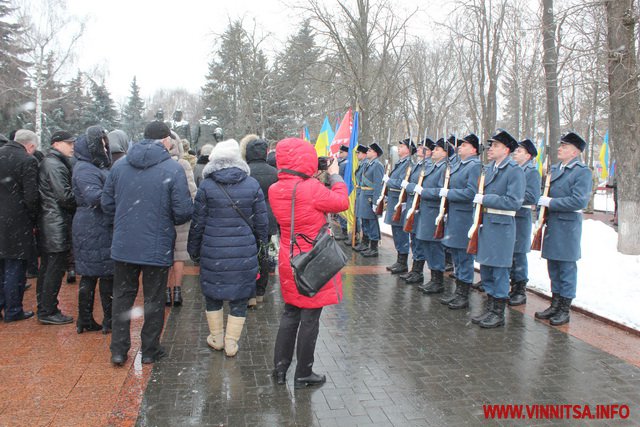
221	239
265	174
92	229
18	201
147	194
57	202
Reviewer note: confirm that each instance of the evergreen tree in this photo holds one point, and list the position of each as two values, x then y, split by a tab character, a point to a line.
76	106
133	113
102	110
235	82
12	78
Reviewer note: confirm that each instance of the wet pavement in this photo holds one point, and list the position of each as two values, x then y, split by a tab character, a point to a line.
392	356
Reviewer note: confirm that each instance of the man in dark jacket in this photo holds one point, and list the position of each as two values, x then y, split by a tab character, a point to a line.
266	175
54	224
147	194
18	213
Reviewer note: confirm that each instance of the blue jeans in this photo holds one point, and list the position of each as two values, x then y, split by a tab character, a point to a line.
520	267
564	277
495	281
463	264
237	308
12	283
371	228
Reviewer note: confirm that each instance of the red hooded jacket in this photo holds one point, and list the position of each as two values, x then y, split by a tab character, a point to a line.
313	202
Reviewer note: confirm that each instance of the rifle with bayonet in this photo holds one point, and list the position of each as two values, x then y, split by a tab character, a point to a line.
397	209
444	202
383	194
472	246
536	242
411	213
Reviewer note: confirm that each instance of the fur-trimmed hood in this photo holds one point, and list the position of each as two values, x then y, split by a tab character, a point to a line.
225	155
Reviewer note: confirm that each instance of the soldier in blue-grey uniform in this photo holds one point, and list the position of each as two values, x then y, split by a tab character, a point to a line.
569	194
417	250
361	155
406	148
525	156
343	154
503	195
463	186
425	223
371	188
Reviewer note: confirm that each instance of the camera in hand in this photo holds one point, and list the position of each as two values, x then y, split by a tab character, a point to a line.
324	162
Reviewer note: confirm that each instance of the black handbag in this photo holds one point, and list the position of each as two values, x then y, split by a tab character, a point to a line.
314	269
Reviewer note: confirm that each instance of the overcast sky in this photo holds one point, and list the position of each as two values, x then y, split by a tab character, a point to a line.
170	46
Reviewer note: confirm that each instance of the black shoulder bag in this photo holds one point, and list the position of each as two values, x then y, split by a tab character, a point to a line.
262	247
313	269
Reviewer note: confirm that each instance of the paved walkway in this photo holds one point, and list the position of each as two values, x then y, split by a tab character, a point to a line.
392	356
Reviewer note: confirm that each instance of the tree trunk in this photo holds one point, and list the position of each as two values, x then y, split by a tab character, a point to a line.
624	120
550	62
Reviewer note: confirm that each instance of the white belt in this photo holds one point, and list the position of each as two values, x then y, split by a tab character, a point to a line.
578	211
500	212
527	206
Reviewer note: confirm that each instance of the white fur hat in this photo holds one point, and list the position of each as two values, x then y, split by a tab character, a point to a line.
228	149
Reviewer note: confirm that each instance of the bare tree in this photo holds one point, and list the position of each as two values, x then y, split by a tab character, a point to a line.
550	62
624	119
50	36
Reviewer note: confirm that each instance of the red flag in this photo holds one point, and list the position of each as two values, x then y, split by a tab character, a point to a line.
343	135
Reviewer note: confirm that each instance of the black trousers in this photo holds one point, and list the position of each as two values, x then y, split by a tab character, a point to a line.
305	323
125	289
86	297
52	268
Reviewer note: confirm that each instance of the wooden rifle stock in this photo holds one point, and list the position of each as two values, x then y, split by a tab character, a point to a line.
536	242
411	213
472	246
444	206
397	210
383	194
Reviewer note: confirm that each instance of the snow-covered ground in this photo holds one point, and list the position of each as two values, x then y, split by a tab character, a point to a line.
608	281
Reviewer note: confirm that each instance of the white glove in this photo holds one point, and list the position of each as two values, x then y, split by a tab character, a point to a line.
379	201
374	207
417	189
444	192
404	183
544	201
385	178
478	198
403	206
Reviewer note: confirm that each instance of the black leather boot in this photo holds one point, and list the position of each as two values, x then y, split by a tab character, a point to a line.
496	315
167	297
518	294
488	308
86	295
106	298
435	285
177	296
446	299
416	275
71	276
372	251
462	296
401	265
311	380
363	245
553	308
562	315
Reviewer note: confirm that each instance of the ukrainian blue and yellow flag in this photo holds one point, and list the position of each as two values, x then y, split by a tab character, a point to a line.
540	158
350	175
604	157
325	137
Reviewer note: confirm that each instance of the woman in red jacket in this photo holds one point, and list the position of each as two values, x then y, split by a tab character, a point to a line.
297	163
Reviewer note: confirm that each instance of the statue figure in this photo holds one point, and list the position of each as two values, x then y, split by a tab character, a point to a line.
205	130
180	126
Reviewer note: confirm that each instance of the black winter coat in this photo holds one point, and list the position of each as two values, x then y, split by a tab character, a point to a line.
58	203
92	228
18	201
265	174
